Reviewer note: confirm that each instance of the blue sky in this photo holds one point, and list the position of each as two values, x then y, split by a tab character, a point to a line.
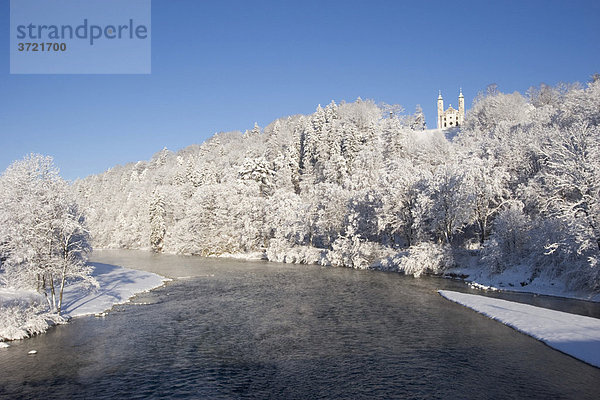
223	65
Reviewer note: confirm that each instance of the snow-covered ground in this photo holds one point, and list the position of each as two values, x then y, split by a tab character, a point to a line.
572	334
117	285
516	280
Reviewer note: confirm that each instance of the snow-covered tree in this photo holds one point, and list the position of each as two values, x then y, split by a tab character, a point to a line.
43	238
508	243
417	120
397	214
487	184
157	221
260	171
570	185
445	204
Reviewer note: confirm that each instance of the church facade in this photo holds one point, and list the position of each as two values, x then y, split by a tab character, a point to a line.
451	117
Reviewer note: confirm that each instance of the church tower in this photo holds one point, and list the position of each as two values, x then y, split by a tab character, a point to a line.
440	110
461	108
450	118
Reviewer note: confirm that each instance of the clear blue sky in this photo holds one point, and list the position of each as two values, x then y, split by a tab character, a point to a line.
223	65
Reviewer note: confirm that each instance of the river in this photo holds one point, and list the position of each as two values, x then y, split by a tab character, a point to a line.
248	329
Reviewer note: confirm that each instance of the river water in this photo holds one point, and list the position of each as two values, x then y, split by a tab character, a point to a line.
240	329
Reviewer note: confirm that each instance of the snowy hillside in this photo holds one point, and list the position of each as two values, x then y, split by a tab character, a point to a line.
355	185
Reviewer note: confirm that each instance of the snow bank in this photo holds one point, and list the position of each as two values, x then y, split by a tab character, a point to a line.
117	285
22	312
517	278
572	334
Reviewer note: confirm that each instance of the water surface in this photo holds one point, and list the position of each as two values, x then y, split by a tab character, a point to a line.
238	329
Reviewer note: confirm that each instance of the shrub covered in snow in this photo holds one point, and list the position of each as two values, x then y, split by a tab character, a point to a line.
350	252
280	250
21	319
422	258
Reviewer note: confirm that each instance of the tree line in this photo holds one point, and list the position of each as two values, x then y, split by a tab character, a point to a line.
356	184
362	185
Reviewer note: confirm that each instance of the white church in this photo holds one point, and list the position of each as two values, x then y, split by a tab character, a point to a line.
451	117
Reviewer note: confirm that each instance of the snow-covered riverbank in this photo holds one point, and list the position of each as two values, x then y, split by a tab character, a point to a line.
518	279
21	318
572	334
467	266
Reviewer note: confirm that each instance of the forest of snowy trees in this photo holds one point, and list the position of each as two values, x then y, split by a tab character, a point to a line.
360	185
353	184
